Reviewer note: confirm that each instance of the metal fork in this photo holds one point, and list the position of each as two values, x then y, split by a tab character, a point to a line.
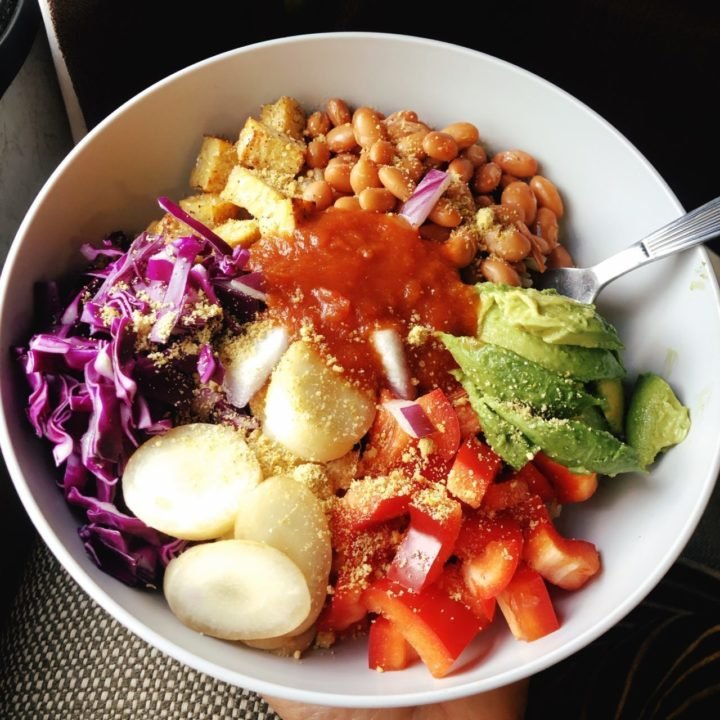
688	230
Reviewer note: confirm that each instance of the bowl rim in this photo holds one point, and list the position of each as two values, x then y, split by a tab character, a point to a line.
238	679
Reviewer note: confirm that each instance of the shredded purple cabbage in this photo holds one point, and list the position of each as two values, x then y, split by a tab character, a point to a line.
123	358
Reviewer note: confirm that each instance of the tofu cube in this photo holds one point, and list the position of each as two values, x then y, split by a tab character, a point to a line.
264	148
213	165
285	115
209	208
239	232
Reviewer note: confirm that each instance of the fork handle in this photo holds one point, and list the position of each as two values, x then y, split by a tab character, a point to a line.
693	228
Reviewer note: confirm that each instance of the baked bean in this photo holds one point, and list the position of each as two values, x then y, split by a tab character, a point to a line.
559	257
364	175
412	145
520	195
508	244
317	124
377	199
338	111
483	201
434	233
382	152
475	154
318	153
486	178
396	181
507	214
341	138
445	213
464	134
440	146
463	168
506	179
401	127
546	225
320	193
541	244
498	271
337	173
460	247
347	202
547	195
412	167
401	116
516	162
368	127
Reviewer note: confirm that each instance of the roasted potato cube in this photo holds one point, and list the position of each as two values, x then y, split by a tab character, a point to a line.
275	212
238	232
265	148
285	115
169	227
210	209
213	165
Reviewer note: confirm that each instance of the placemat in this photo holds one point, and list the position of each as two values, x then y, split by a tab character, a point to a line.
62	657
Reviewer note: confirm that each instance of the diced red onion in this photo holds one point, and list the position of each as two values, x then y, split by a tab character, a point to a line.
176	211
411	417
420	204
243	286
389	347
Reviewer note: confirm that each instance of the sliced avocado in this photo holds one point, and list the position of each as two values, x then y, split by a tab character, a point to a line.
611	390
580	363
505	375
570	442
656	420
546	314
593	417
503	437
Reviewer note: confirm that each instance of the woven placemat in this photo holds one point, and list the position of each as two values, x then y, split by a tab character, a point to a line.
62	657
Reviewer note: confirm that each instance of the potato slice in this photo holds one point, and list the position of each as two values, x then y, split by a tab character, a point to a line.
237	590
285	514
190	482
286	645
311	409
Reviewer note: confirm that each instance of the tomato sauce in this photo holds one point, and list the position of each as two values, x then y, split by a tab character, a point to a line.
345	273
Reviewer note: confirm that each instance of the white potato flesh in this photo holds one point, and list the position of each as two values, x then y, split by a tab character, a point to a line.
190	482
285	514
286	645
311	409
237	590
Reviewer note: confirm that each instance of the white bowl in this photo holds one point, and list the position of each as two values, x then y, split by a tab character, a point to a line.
667	313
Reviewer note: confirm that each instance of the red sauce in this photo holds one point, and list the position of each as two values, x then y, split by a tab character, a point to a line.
349	272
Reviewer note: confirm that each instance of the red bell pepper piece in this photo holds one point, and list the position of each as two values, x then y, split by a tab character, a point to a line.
569	487
527	607
469	421
504	495
453	583
475	468
372	500
344	608
490	548
564	562
437	626
387	647
435	520
536	481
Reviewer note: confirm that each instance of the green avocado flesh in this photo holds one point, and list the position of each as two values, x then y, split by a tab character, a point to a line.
543	373
656	420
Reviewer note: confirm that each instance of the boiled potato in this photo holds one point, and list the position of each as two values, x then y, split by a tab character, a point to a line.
285	514
190	482
286	645
237	590
311	409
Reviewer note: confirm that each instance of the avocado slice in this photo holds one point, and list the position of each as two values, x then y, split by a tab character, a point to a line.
505	375
611	390
580	363
656	420
546	314
503	437
570	442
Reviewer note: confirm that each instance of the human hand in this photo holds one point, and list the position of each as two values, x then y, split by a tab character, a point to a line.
505	703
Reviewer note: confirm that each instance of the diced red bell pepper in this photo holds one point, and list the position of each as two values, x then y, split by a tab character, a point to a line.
569	487
344	608
469	421
445	441
435	520
387	647
453	583
387	442
504	495
475	468
372	500
490	548
536	481
526	605
437	626
564	562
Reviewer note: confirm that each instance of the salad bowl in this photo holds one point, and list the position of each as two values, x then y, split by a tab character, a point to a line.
146	149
